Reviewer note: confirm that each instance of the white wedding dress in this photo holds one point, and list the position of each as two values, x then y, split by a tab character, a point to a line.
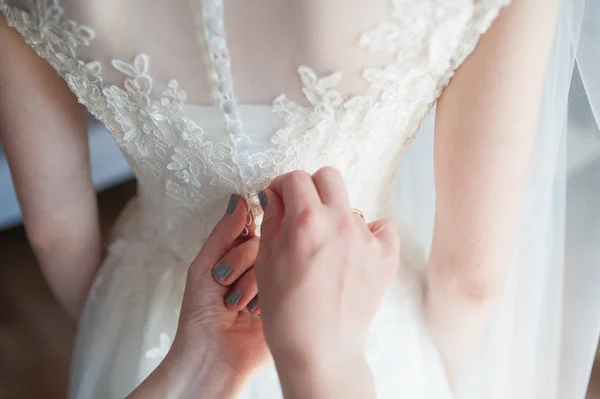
339	83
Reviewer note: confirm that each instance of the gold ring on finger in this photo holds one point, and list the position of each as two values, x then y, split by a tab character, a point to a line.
358	213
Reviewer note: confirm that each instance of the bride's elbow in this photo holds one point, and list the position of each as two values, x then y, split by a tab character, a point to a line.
45	238
475	287
62	242
482	290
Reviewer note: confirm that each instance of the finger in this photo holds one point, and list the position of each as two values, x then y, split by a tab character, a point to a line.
386	232
249	230
242	291
331	188
224	234
361	225
236	262
254	306
255	217
273	209
298	192
360	221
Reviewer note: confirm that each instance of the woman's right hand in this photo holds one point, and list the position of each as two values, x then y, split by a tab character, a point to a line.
322	273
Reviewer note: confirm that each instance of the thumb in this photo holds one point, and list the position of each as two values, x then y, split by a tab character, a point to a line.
223	236
272	206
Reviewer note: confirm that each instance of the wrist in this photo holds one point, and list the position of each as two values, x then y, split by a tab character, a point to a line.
200	373
346	376
190	374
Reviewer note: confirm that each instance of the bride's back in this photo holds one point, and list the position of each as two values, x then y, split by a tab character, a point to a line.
267	39
206	98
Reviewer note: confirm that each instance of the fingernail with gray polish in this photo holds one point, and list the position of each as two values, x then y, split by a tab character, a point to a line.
222	271
233	297
233	200
262	197
253	304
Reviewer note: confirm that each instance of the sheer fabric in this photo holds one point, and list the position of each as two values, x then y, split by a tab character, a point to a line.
207	99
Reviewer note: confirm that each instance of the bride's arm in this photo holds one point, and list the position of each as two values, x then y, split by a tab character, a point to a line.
485	126
44	135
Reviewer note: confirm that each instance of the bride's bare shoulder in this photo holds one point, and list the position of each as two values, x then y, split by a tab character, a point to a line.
15	52
510	59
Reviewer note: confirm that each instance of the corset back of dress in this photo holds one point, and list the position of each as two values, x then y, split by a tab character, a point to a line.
182	219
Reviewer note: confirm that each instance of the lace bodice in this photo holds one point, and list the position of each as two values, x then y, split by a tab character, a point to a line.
188	156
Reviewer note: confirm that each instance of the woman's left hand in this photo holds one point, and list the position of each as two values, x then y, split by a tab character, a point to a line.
224	268
219	343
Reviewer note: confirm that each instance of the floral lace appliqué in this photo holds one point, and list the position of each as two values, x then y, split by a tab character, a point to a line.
429	39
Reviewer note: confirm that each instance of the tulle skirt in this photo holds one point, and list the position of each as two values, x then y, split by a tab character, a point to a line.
131	318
